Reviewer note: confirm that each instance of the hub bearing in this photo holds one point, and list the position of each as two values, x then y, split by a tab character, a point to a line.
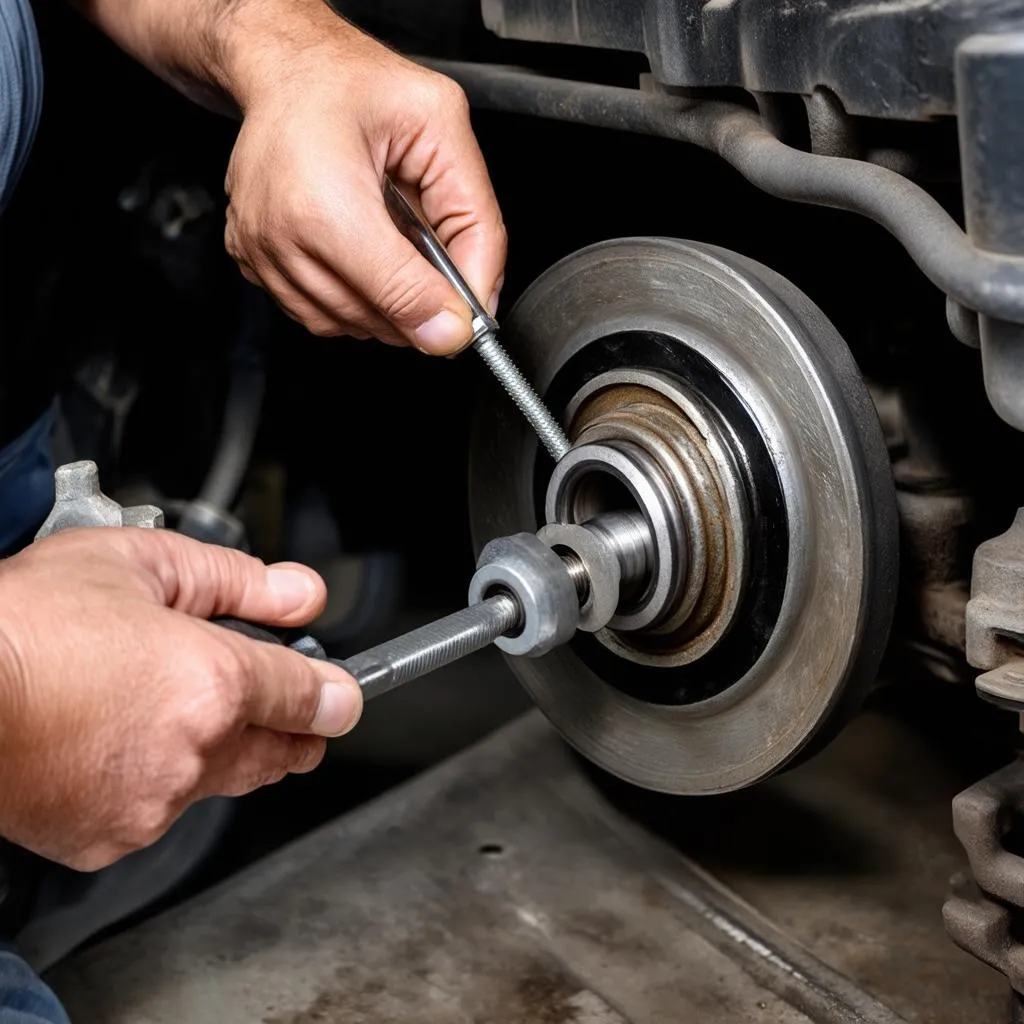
710	395
682	468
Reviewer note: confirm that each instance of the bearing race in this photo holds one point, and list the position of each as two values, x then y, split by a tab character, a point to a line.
665	430
567	502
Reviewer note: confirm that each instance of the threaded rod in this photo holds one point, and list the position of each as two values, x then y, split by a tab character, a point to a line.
519	390
433	646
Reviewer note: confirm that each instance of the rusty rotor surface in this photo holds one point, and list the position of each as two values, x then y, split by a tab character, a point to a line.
719	373
670	432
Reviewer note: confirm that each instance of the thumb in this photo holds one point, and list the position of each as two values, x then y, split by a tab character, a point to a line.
204	580
389	272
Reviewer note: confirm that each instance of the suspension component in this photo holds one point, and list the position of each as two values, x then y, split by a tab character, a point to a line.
986	920
80	502
713	403
987	923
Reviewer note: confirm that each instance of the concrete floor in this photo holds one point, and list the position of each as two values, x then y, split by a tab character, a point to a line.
514	885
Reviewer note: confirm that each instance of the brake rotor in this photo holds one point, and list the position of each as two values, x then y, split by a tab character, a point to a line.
710	394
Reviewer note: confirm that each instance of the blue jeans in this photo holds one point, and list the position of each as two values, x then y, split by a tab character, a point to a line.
26	483
26	496
24	997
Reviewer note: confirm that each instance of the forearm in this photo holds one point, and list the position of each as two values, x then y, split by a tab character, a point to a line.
219	52
327	111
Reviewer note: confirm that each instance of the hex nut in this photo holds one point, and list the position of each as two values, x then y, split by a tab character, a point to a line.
538	579
601	564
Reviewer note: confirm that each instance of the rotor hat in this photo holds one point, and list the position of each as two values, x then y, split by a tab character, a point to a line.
733	398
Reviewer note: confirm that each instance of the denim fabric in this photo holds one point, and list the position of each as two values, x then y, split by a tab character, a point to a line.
21	91
26	483
26	495
26	465
24	997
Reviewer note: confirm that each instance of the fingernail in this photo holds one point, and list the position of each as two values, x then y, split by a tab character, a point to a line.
339	710
442	333
492	302
294	588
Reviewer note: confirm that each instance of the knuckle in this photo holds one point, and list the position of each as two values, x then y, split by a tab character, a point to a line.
501	236
309	753
249	783
289	310
425	92
401	294
310	701
353	331
150	821
216	705
223	663
299	216
228	699
248	238
231	220
184	778
231	242
289	698
450	96
271	777
250	275
321	327
236	235
95	857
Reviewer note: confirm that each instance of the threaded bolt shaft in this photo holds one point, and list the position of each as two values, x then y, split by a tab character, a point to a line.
433	646
519	390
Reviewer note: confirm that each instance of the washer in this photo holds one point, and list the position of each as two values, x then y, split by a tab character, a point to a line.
805	639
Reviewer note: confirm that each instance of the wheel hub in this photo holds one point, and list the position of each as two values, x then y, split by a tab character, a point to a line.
709	395
653	436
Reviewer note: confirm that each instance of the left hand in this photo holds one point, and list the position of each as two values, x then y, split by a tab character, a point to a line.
120	705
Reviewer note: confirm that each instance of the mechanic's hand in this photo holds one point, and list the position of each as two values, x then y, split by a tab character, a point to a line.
327	110
120	705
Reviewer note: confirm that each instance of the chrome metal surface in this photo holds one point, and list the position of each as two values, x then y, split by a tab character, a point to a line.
630	538
544	590
485	327
525	597
682	440
574	498
518	388
599	564
577	573
408	220
434	645
806	642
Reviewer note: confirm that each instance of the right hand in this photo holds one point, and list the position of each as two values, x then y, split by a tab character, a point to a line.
327	112
120	705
